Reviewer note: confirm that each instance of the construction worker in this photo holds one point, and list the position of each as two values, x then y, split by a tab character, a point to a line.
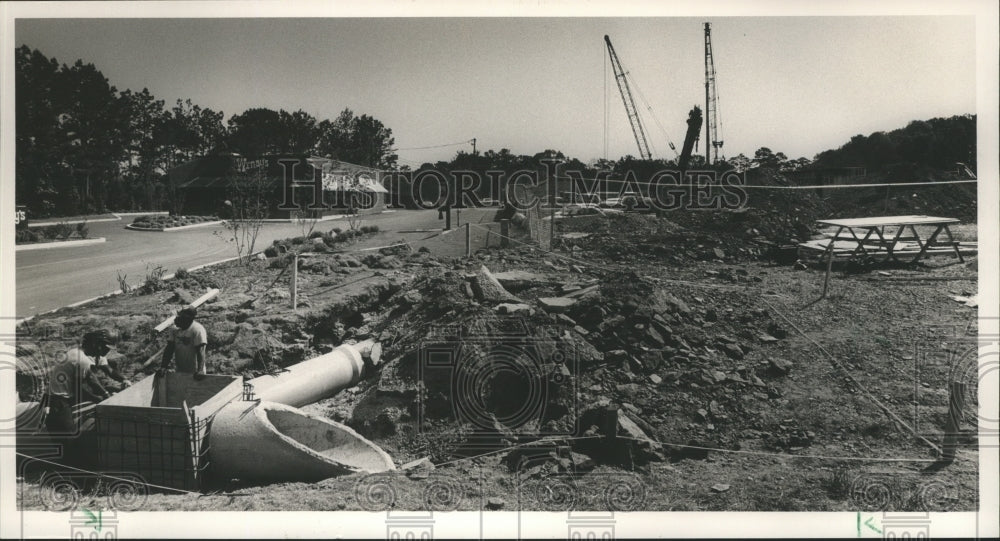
108	366
73	380
110	369
187	345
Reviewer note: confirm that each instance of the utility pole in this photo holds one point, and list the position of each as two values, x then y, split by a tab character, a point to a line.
473	146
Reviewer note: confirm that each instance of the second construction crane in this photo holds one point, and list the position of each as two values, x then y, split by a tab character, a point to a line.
630	109
711	103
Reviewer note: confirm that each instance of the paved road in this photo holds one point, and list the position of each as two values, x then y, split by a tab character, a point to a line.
49	279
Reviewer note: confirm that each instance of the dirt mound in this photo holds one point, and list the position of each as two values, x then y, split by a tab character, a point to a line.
459	378
951	200
634	238
778	216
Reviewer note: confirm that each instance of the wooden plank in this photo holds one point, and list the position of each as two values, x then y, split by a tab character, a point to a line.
823	245
152	358
170	321
197	302
880	221
84	408
943	250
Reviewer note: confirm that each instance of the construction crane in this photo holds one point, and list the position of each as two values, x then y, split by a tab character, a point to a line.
630	110
694	128
711	102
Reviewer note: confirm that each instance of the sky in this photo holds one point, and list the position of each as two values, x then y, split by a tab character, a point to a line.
797	85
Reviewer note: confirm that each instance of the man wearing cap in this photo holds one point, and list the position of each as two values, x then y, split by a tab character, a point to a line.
74	379
187	346
105	365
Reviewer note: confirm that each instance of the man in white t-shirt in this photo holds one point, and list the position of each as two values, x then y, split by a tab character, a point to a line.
73	380
187	346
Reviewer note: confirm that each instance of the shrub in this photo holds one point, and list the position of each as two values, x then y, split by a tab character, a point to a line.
342	237
62	230
279	262
82	230
25	235
154	280
335	230
315	235
271	251
298	240
182	273
321	248
123	282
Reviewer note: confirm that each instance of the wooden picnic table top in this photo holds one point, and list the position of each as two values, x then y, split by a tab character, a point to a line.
879	221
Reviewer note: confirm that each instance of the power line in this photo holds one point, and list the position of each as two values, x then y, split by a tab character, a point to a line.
768	187
467	141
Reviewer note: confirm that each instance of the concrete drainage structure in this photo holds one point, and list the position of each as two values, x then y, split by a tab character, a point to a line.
318	378
271	442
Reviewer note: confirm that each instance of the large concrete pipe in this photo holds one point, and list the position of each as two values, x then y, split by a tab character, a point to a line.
28	417
268	442
318	378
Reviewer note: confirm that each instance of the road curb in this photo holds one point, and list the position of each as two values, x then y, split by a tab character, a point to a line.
119	292
58	244
294	220
44	224
150	213
171	229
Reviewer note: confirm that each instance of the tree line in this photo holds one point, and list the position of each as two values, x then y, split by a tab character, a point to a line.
481	163
84	146
938	143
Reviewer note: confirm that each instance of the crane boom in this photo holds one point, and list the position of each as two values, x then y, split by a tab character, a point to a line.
711	102
630	110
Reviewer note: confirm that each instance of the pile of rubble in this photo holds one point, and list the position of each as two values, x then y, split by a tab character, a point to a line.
562	363
769	220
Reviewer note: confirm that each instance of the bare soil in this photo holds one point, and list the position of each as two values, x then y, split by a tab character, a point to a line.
756	397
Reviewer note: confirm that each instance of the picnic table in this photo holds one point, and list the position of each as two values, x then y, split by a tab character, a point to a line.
874	240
